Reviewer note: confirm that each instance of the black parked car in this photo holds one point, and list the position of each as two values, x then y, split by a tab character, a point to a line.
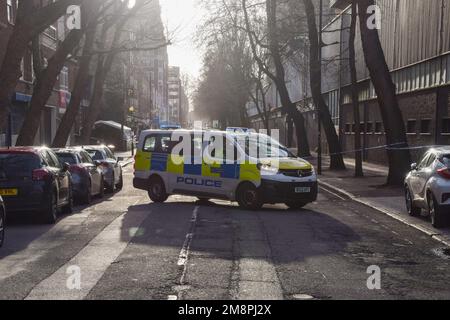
33	180
87	175
2	222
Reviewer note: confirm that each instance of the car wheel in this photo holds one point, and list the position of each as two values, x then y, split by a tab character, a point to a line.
102	188
2	228
50	214
111	186
87	198
157	190
248	197
436	214
295	205
119	186
68	208
410	207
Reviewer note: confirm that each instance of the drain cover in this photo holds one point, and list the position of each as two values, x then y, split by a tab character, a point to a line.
443	253
303	296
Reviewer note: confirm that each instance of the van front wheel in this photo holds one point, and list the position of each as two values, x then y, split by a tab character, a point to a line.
249	197
157	190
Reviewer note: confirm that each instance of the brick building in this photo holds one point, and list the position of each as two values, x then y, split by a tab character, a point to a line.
57	103
415	36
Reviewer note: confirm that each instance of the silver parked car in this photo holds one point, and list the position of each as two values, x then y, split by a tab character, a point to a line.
112	169
87	175
427	186
2	222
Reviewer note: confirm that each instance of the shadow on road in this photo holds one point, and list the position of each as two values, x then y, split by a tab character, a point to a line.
292	235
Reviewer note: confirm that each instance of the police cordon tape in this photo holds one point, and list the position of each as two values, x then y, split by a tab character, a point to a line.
389	147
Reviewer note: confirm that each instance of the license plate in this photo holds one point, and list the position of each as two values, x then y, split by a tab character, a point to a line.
9	192
302	190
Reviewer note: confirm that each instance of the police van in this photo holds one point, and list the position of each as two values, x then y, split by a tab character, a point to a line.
222	165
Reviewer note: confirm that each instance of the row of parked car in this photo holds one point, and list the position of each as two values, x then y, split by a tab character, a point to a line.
48	181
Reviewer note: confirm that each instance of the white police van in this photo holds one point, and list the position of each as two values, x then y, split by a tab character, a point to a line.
222	165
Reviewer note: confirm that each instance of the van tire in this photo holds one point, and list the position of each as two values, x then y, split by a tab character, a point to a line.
157	190
249	197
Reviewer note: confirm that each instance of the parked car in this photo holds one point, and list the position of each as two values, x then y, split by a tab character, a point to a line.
2	222
32	179
112	169
427	186
87	175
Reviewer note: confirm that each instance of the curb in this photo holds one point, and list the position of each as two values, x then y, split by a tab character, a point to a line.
434	235
126	163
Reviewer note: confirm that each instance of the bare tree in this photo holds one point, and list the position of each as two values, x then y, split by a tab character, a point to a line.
399	156
278	77
355	96
336	157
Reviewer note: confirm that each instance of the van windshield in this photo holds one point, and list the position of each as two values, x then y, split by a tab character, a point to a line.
262	146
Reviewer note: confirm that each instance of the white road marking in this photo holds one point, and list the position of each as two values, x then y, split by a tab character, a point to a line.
334	194
184	254
93	260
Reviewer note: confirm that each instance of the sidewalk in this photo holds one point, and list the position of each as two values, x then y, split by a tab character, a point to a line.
372	192
126	156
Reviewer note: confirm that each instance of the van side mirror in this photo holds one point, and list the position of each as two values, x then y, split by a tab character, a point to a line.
414	166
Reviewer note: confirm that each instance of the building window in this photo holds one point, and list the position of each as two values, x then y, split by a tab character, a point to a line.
64	79
369	127
51	32
10	11
378	127
411	127
425	127
348	128
446	126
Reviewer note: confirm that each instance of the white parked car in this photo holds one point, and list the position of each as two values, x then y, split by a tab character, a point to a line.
427	186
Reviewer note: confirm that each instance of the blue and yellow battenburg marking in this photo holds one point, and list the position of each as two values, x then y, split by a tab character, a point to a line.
175	164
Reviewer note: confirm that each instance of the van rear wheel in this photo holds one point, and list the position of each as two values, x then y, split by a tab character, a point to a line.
157	190
249	197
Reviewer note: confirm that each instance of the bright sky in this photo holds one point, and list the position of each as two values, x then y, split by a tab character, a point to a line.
181	18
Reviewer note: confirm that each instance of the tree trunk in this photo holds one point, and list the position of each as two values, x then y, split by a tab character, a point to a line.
398	153
288	105
44	86
355	96
69	118
336	157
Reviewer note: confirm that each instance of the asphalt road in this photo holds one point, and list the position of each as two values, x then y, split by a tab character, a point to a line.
125	247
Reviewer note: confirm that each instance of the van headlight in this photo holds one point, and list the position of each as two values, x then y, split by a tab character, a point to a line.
267	170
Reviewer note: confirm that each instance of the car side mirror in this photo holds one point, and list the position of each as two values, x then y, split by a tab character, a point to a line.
65	167
414	166
97	163
120	159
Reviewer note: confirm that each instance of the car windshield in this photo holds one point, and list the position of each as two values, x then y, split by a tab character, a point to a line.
96	155
446	160
13	165
67	158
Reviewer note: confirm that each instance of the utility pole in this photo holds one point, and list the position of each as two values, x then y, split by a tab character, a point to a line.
319	116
